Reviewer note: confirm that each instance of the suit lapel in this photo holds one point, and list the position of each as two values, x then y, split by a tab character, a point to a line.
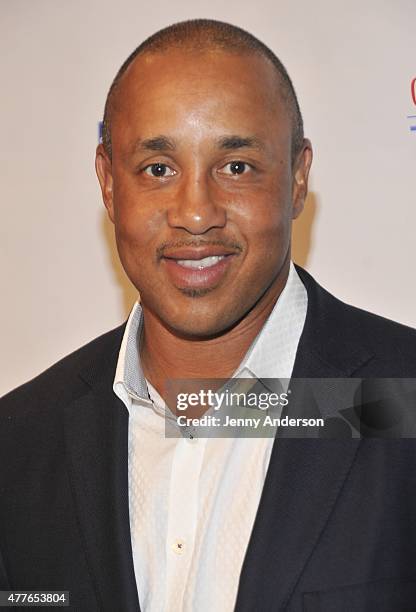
305	476
303	481
96	435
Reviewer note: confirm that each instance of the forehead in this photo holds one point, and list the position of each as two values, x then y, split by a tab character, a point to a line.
187	88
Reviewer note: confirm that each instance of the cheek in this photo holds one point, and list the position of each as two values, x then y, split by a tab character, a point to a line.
137	228
136	217
265	224
131	232
138	231
269	246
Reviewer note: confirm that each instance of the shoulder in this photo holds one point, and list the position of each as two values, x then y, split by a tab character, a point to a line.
391	342
348	329
67	379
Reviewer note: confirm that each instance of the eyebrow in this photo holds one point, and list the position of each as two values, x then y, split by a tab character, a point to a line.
229	143
239	142
158	143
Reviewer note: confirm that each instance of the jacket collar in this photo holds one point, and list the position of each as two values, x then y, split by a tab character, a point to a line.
305	476
331	344
96	437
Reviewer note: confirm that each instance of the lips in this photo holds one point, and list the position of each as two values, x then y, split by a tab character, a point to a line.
198	268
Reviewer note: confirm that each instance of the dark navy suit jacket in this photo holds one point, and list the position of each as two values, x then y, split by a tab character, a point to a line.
335	529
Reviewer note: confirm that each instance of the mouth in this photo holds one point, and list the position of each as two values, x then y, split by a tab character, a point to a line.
199	268
201	264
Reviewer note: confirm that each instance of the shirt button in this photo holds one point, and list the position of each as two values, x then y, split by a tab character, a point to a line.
178	547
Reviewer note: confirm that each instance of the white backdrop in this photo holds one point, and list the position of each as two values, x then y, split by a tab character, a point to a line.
352	65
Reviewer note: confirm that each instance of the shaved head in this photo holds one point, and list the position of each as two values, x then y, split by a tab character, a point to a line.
202	36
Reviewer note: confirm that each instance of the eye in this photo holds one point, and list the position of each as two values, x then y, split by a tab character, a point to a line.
235	168
159	170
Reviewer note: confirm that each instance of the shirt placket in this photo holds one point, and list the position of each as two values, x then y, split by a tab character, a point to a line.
182	518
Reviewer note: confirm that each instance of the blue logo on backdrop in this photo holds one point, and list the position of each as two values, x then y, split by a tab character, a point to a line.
100	132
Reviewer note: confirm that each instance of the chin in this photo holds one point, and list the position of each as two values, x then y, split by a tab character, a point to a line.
195	330
199	325
195	313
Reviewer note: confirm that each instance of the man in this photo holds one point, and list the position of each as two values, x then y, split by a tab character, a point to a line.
203	166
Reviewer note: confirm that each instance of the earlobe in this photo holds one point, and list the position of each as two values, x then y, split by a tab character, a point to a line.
105	178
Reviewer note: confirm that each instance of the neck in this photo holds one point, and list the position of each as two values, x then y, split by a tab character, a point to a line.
166	356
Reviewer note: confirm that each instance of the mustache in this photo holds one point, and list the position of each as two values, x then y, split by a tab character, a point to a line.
228	244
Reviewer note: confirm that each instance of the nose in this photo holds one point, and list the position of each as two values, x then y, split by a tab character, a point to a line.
197	206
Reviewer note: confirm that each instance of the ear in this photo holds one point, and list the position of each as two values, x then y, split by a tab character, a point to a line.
103	169
300	178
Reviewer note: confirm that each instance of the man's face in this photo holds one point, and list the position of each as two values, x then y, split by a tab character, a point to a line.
201	187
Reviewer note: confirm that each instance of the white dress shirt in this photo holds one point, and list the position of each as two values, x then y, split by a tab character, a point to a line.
193	501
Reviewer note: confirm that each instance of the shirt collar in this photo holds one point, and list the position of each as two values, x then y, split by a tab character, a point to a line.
129	381
273	352
271	355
